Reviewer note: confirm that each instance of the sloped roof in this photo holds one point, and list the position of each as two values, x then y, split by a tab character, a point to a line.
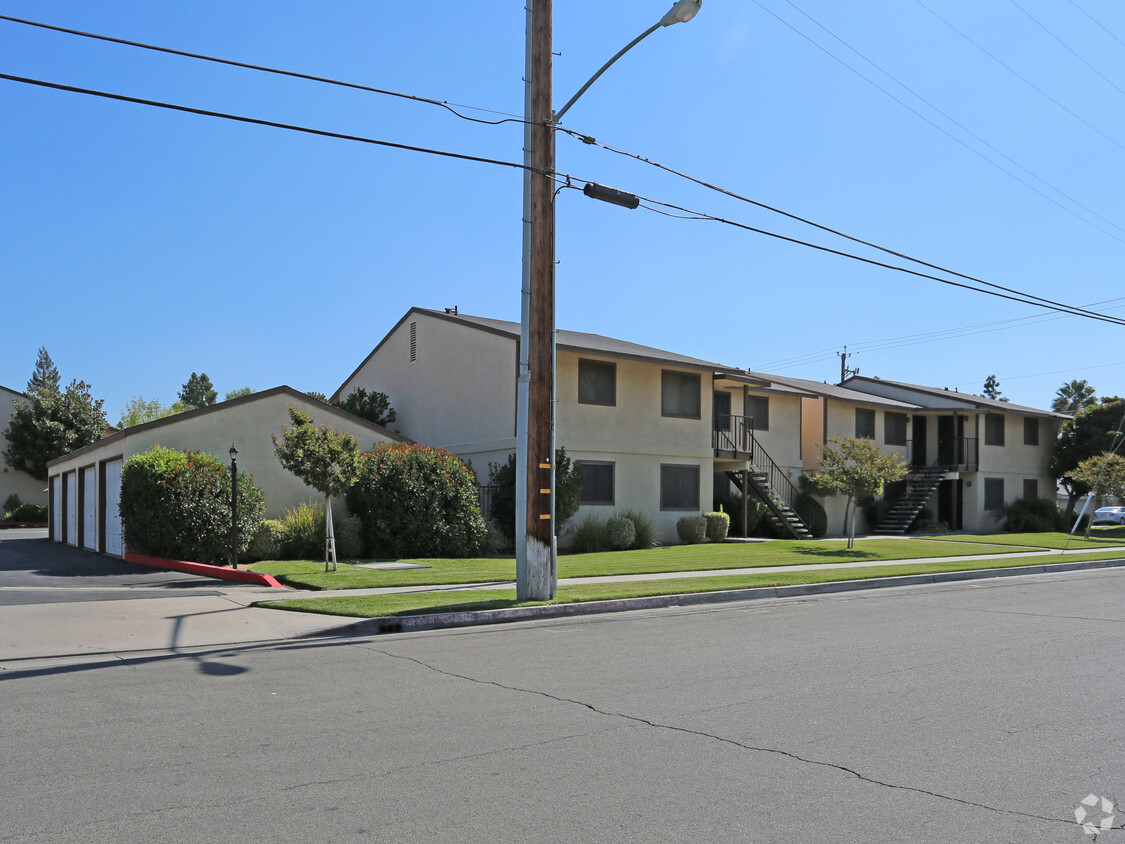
837	392
954	398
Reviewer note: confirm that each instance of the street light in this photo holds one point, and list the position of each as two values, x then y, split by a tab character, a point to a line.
233	506
536	550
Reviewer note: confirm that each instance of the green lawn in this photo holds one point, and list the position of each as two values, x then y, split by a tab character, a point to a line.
305	574
422	603
1099	538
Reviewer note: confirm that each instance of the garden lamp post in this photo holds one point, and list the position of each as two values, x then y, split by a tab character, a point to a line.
233	506
536	550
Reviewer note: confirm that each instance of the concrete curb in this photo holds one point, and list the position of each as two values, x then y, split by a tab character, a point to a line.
205	570
444	621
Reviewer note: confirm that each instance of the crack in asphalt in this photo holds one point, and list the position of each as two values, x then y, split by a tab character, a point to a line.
702	734
1040	615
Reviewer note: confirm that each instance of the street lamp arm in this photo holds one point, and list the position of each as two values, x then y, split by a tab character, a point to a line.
605	67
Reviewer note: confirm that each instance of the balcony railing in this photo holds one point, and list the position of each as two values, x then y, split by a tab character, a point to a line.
960	453
734	435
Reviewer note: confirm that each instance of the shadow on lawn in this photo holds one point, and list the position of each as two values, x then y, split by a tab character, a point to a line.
852	553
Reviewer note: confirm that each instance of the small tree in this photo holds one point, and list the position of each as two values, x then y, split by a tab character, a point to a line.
138	410
855	468
374	406
568	492
237	394
1090	433
1073	396
198	391
1103	475
325	459
51	422
992	389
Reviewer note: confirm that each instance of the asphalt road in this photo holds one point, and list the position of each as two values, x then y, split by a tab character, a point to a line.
976	712
34	570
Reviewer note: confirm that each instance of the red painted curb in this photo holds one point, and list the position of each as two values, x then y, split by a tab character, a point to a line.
206	570
23	524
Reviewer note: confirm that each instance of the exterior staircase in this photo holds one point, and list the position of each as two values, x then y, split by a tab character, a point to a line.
781	517
921	484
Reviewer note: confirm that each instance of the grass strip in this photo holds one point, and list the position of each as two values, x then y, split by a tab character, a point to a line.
306	574
1099	538
424	603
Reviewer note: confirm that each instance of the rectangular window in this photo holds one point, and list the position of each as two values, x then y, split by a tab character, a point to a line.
994	429
758	409
679	394
1030	431
993	493
894	428
1030	488
679	487
864	423
597	482
597	382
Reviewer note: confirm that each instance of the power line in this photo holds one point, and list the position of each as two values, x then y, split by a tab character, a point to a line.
1018	296
1081	368
593	141
259	122
306	76
1098	22
955	122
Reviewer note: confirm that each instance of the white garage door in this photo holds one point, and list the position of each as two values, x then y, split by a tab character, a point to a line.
71	508
112	511
56	510
89	510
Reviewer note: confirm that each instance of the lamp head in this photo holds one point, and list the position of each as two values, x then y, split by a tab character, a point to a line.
681	12
233	452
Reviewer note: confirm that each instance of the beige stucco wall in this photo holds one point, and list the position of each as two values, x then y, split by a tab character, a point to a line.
250	424
30	490
458	394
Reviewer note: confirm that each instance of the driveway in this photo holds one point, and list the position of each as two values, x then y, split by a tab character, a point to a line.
34	570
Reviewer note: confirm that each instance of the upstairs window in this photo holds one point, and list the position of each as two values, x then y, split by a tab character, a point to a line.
894	428
597	382
864	423
680	394
758	409
1030	432
994	429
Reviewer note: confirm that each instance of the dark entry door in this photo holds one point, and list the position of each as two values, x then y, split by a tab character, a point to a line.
918	445
949	503
946	441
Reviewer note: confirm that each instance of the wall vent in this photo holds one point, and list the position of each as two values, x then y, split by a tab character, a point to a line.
413	342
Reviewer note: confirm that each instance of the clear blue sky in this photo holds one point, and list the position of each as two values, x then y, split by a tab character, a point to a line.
138	245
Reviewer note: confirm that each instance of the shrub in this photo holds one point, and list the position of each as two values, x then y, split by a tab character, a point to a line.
417	501
304	532
11	504
812	514
265	544
718	525
929	526
176	504
620	532
590	535
349	537
691	529
27	513
1029	515
731	504
568	492
644	531
496	542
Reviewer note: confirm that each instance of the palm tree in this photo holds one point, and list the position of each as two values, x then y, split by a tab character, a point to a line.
1073	397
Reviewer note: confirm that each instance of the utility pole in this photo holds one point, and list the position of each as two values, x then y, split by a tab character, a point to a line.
844	371
535	562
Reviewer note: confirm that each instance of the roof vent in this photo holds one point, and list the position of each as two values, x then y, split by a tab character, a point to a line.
452	310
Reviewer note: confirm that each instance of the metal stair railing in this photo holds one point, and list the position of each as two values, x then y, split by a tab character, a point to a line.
736	434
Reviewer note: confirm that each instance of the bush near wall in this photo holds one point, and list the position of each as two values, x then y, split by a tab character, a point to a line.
417	501
176	504
691	529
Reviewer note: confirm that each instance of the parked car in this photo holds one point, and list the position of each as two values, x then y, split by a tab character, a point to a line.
1109	516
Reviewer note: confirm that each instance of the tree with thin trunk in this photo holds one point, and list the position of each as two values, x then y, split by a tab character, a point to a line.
1073	396
322	457
855	468
1091	432
198	391
1103	475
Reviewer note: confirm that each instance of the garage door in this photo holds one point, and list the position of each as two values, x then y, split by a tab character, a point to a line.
56	510
71	508
89	510
112	521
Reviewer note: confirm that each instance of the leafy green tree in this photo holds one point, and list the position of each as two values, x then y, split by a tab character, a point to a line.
138	410
374	406
992	389
1103	475
502	477
325	459
317	395
855	468
1091	432
51	422
198	391
237	394
1073	396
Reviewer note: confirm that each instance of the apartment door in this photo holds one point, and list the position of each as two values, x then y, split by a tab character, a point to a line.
918	444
